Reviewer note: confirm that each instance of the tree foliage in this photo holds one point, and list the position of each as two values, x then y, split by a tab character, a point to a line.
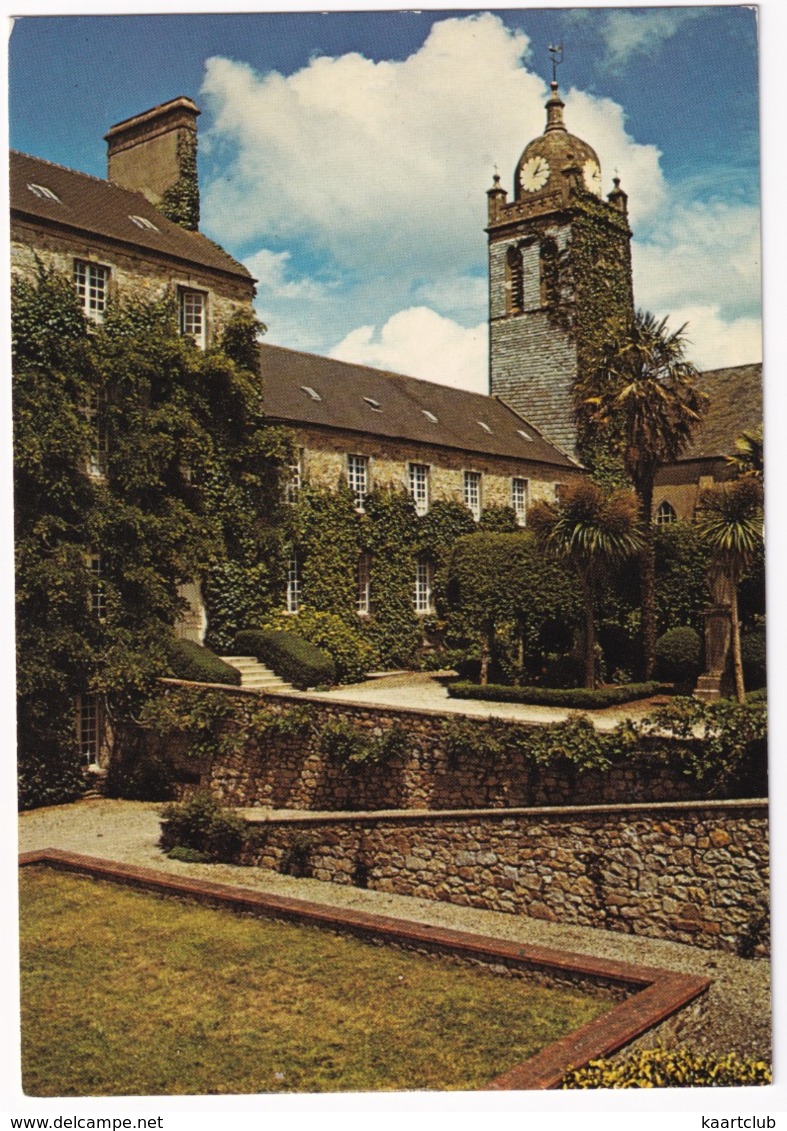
186	458
592	529
640	401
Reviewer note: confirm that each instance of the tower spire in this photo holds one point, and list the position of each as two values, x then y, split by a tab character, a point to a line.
555	103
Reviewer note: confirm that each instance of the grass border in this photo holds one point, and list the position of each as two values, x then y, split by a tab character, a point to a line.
654	994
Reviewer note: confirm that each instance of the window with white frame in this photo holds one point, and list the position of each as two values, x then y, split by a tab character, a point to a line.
363	586
422	599
419	486
665	514
96	565
193	315
472	493
358	479
92	286
519	499
88	720
293	480
293	584
95	412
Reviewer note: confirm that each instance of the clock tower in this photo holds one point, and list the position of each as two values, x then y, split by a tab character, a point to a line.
559	269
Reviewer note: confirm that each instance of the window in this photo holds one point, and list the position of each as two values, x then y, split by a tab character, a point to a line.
419	486
515	281
92	285
430	416
665	514
293	481
373	404
423	586
192	316
362	578
44	193
358	479
293	584
143	222
311	393
519	500
95	412
96	565
472	493
88	729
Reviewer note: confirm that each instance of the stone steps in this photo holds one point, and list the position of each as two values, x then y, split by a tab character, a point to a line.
255	676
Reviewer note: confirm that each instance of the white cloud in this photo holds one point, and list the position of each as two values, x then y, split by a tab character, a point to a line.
715	342
373	175
422	343
384	165
270	268
629	33
703	257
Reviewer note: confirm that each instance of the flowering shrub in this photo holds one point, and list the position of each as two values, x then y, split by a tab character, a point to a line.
664	1068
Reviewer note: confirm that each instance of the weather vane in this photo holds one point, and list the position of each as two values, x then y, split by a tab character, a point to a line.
556	51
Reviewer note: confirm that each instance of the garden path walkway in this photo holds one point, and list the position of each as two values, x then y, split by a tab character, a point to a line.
733	1015
425	690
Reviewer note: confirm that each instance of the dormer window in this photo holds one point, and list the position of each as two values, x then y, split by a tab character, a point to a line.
92	286
525	436
143	222
373	404
310	392
193	315
44	193
485	426
430	416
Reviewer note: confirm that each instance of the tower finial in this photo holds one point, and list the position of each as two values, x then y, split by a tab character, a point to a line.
556	51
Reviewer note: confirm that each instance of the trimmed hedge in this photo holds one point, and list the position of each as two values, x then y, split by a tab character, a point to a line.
188	660
580	697
291	657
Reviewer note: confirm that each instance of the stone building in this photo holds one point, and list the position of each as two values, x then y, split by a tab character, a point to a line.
559	265
559	261
112	236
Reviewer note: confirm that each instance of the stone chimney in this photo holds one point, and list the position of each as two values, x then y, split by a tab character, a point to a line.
155	153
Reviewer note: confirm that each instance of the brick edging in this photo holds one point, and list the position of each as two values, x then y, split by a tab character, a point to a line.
657	993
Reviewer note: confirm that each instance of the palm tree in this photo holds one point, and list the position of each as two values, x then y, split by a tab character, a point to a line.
591	528
642	394
748	458
730	521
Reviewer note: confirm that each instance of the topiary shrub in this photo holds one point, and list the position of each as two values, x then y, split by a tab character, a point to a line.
201	825
579	697
188	660
665	1068
293	658
679	656
753	654
353	656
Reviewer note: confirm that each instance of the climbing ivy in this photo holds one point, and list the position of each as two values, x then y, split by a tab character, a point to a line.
188	466
180	202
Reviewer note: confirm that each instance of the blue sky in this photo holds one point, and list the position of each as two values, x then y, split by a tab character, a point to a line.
344	157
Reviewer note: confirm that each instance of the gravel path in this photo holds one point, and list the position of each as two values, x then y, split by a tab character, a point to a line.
426	691
733	1016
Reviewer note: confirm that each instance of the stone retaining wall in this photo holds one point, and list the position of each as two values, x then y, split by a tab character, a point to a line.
692	873
290	773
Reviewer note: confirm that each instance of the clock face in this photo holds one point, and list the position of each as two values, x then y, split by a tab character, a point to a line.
534	174
592	177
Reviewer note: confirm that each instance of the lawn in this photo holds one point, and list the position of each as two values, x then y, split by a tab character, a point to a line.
124	993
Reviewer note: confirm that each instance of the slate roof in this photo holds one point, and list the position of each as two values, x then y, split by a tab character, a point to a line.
93	207
377	403
735	406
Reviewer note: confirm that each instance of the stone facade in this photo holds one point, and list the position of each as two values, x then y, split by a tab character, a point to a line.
691	873
134	273
324	464
291	773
